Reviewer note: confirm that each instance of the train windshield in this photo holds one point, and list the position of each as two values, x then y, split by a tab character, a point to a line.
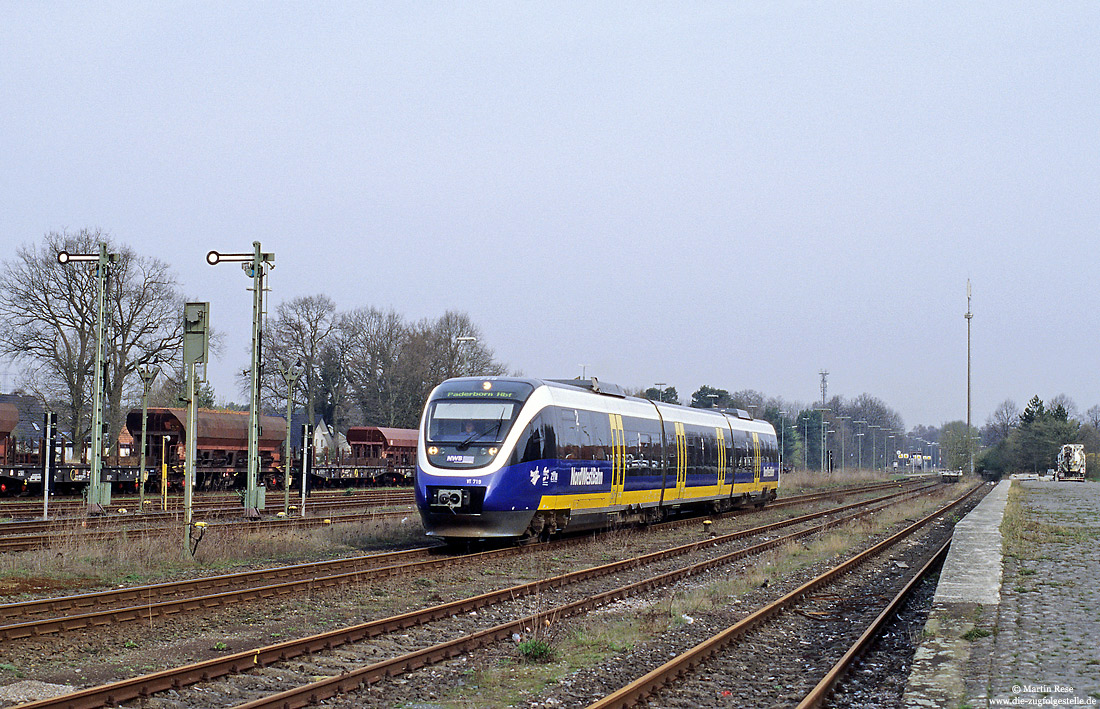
466	423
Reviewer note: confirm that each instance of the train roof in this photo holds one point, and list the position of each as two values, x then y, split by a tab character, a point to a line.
593	385
214	427
402	437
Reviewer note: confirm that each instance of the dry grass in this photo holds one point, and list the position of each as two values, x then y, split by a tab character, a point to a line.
140	558
797	555
511	681
809	481
1025	537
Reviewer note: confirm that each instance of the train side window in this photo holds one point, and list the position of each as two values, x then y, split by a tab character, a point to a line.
567	430
595	436
530	445
743	453
636	463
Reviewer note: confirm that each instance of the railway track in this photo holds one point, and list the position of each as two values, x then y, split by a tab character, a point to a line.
692	671
577	583
143	603
62	533
216	503
33	534
67	613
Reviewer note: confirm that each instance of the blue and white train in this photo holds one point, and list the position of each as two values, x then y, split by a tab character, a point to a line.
528	458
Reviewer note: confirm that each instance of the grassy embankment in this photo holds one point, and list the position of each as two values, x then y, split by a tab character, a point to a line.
72	560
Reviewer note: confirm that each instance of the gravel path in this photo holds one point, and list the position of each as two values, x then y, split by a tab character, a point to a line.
1047	642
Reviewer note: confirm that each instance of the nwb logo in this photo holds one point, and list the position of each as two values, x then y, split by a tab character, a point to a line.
585	476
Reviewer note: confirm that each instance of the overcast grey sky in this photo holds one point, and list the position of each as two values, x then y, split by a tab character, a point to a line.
733	194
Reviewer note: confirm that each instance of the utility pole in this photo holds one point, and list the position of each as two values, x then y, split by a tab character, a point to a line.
291	374
147	374
255	266
48	444
969	317
824	388
99	494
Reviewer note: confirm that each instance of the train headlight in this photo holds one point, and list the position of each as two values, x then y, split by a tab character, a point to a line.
486	385
433	451
492	451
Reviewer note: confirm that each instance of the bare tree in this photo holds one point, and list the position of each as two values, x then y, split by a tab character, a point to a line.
298	335
373	363
49	313
1066	403
1092	416
392	366
1001	422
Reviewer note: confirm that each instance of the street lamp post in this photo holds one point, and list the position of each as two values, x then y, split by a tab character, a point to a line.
783	438
840	427
969	316
459	342
824	442
886	460
805	434
147	374
255	265
874	459
291	374
859	434
99	495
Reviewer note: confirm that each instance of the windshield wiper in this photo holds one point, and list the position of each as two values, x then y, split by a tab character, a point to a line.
478	434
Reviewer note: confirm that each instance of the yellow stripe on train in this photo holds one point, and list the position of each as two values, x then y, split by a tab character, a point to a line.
641	497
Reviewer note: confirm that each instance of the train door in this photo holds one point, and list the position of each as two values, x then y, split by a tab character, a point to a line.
681	461
756	462
721	435
618	458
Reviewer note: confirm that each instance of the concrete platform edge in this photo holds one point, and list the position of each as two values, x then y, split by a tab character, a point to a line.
948	667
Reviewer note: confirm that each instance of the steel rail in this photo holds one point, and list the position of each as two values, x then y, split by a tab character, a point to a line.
74	507
24	543
82	603
176	678
817	696
163	599
651	682
209	509
44	535
356	679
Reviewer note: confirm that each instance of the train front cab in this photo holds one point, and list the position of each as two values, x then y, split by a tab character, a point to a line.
464	486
